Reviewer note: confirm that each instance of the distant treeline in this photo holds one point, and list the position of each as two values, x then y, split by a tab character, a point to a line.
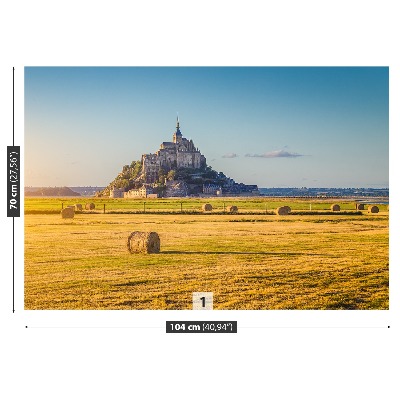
324	192
51	191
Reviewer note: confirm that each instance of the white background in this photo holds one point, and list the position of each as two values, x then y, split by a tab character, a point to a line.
123	354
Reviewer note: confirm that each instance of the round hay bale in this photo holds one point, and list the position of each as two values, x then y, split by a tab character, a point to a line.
360	207
289	210
373	209
89	206
143	242
67	212
282	211
206	207
232	209
78	207
335	207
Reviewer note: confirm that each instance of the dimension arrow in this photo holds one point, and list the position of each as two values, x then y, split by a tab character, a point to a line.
13	189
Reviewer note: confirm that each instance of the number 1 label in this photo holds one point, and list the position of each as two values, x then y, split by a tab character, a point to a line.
202	300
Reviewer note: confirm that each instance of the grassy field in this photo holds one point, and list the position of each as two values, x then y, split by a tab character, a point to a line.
245	204
247	261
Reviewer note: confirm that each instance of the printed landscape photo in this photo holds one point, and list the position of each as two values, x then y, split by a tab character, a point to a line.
265	186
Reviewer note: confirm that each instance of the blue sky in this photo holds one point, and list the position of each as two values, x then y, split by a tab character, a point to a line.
272	126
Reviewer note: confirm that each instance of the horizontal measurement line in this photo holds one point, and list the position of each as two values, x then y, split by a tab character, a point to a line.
314	327
240	327
94	327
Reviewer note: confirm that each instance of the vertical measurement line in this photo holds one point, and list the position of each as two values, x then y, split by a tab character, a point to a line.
13	291
13	105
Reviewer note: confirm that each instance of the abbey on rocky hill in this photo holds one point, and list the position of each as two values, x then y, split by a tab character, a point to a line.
177	169
180	153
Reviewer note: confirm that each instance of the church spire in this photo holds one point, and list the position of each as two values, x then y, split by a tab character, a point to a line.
178	131
177	136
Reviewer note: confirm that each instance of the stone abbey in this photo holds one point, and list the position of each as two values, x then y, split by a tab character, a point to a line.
177	169
180	153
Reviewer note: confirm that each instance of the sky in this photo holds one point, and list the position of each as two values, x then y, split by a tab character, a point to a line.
269	126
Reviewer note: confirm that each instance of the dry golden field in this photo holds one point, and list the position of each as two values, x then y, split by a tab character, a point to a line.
248	261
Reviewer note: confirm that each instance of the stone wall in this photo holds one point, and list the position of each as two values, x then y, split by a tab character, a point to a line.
116	193
176	189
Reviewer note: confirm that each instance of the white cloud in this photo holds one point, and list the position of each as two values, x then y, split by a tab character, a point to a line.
230	155
276	154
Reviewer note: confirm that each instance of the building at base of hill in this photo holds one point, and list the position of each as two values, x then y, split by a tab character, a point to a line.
146	191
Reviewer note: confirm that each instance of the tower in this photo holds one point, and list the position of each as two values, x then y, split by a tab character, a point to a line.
177	136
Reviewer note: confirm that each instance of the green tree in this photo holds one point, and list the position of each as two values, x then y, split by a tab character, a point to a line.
161	176
136	168
171	175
